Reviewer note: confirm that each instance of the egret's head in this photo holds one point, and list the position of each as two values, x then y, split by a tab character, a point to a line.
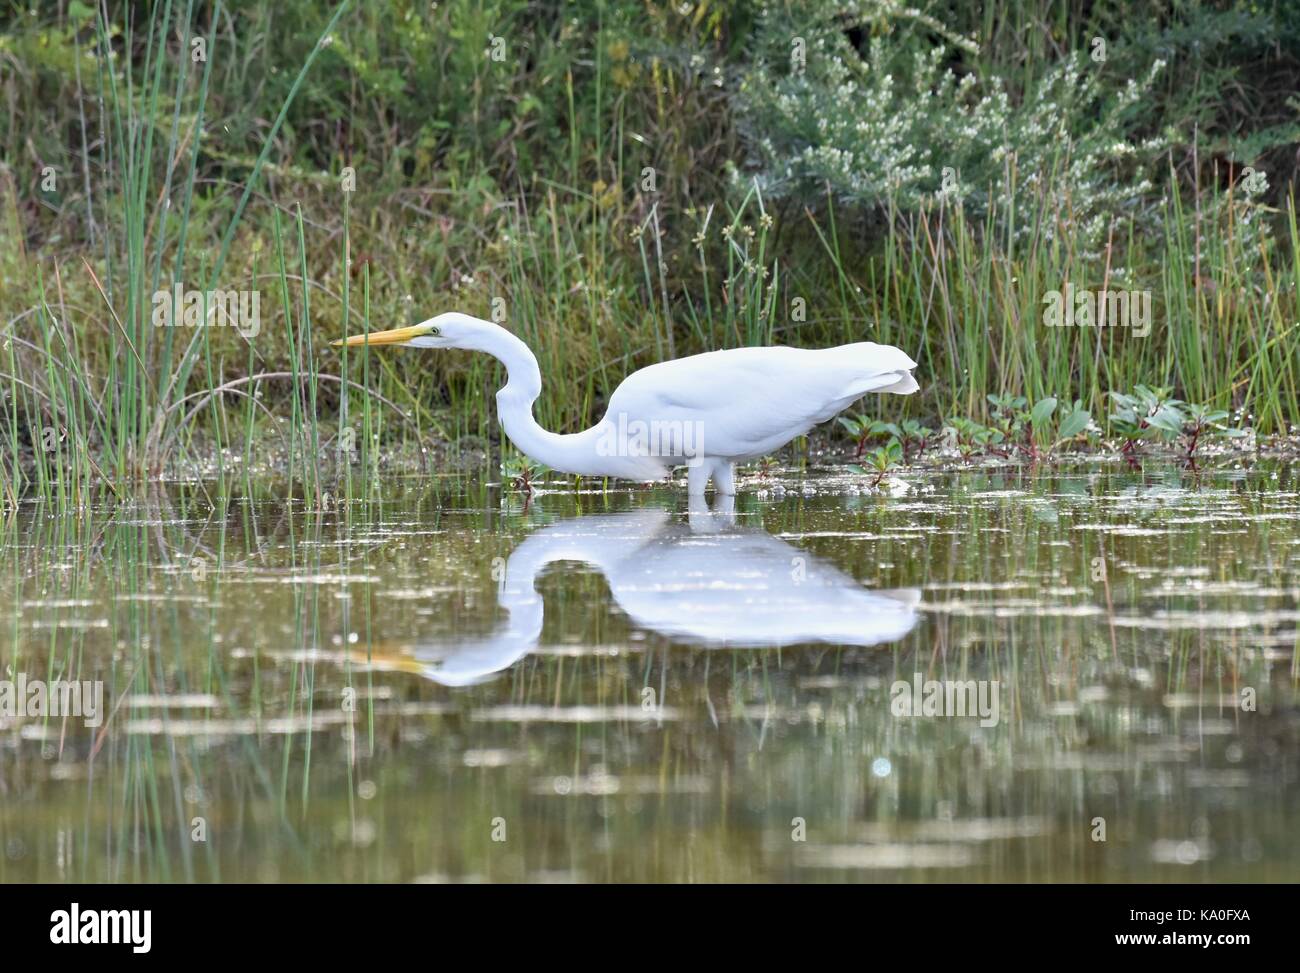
450	330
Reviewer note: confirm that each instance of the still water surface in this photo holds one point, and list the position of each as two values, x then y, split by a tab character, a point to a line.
448	685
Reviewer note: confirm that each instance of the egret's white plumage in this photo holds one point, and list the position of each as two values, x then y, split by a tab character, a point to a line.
707	411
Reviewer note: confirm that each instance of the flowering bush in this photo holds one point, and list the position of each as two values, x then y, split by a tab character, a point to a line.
897	124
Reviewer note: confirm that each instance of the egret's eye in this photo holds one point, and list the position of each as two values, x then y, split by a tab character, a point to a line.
435	331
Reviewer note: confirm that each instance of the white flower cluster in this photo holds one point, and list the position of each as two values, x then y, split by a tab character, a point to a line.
887	127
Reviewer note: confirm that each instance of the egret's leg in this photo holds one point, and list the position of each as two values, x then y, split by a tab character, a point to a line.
697	478
706	520
724	477
724	509
698	508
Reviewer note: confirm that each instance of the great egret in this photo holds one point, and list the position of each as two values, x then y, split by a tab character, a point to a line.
707	411
701	582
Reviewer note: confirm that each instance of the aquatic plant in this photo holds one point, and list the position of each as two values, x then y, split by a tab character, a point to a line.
1201	422
910	434
522	473
881	461
1154	415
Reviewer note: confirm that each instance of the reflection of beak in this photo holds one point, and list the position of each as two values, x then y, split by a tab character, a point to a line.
387	657
398	336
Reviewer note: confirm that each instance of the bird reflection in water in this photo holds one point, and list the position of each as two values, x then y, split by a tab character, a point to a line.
700	581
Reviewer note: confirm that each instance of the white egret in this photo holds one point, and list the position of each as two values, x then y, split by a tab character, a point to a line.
704	582
707	411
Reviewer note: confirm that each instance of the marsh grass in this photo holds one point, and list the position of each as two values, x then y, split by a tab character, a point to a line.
598	271
94	398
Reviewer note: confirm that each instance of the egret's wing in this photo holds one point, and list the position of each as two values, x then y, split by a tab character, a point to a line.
752	400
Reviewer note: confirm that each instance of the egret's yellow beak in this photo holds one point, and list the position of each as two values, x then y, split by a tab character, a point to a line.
398	336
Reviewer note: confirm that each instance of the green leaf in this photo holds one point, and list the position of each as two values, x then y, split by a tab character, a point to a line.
1168	420
885	429
1042	411
1075	423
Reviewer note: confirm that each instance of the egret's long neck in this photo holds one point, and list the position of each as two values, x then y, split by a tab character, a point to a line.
603	540
568	454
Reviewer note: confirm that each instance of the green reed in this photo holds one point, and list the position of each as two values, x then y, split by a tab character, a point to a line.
600	271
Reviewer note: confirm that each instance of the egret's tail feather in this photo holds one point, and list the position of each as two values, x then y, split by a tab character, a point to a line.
905	385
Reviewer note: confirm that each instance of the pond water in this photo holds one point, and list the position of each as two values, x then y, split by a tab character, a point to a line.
1086	674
